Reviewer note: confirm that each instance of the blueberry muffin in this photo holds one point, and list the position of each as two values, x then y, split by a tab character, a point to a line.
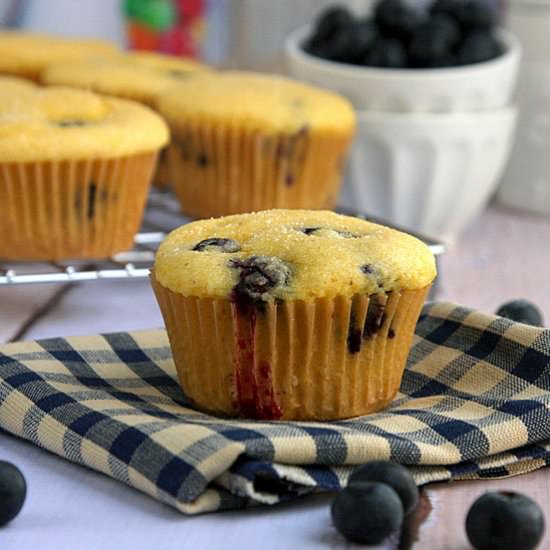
13	85
141	76
75	169
291	314
26	54
243	142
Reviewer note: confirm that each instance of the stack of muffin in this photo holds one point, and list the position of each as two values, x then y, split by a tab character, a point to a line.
313	312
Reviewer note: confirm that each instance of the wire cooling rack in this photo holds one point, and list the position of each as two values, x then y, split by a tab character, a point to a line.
161	216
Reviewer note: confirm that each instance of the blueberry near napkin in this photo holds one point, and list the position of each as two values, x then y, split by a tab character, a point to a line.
474	403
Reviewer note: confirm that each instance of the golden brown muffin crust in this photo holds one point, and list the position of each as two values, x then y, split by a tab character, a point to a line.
291	254
63	123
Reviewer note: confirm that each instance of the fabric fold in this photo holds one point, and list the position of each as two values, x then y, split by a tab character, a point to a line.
474	404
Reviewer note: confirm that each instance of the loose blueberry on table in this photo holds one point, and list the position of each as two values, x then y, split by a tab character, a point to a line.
522	311
504	521
380	495
449	33
13	490
367	512
393	474
382	499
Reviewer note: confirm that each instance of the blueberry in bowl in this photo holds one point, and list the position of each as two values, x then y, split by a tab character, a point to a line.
450	56
396	19
457	32
433	44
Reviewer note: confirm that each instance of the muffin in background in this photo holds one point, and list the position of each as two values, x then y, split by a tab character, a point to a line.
75	169
26	54
291	314
244	142
140	76
14	85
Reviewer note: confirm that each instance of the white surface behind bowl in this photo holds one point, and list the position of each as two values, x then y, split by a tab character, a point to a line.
487	85
430	173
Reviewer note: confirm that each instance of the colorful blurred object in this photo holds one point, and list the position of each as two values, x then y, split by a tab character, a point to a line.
175	27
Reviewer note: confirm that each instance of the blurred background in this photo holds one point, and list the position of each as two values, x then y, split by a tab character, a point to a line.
243	33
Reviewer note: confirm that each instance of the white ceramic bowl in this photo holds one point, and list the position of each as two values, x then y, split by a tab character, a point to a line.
487	85
429	173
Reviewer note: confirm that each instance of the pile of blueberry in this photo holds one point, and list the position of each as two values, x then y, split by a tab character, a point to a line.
381	495
447	34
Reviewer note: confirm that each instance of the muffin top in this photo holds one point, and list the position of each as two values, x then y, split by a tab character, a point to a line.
27	54
141	75
65	123
256	101
14	85
290	254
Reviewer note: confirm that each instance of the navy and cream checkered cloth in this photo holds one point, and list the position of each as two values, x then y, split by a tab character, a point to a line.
475	403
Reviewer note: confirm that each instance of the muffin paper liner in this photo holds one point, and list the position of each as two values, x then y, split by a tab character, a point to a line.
32	73
161	175
323	359
161	178
55	210
225	169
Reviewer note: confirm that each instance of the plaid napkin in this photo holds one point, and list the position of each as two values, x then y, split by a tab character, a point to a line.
474	404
